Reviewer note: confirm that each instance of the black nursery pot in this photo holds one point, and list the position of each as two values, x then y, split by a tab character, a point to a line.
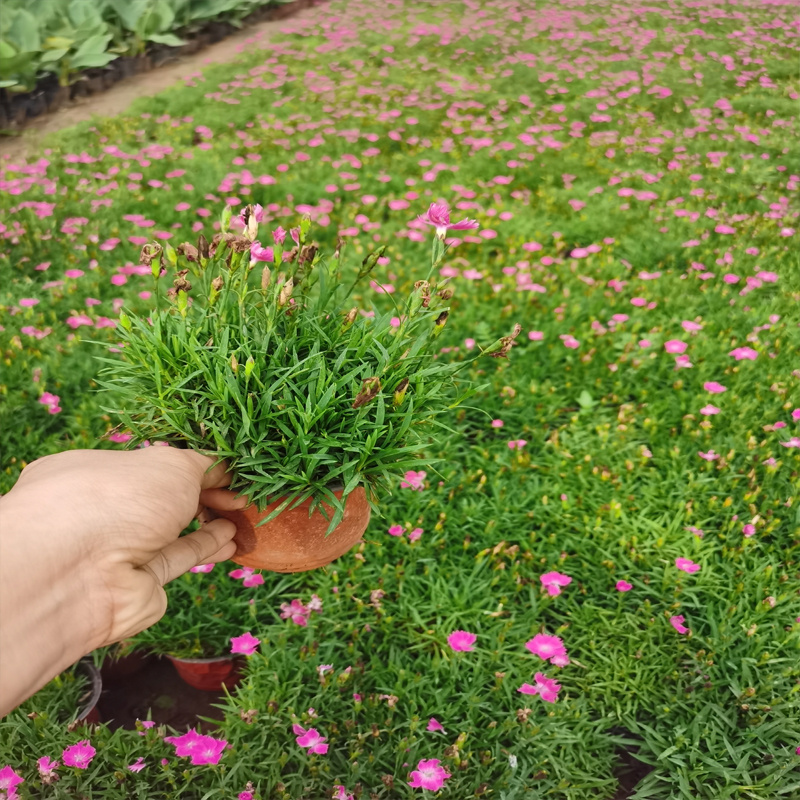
87	710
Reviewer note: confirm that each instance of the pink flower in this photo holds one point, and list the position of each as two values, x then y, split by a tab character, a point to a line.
396	530
279	235
675	346
79	755
428	775
413	480
709	456
415	534
259	253
296	611
714	388
517	444
796	414
47	767
749	530
9	780
340	793
201	749
793	442
677	623
434	725
687	565
250	576
497	423
546	646
536	336
137	765
624	586
146	724
244	796
698	532
545	687
246	644
744	352
311	739
553	581
202	568
438	215
462	641
709	410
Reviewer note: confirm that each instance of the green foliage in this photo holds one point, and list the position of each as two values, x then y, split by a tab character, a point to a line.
281	375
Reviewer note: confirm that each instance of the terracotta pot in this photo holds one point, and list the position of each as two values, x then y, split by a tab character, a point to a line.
293	541
208	674
88	701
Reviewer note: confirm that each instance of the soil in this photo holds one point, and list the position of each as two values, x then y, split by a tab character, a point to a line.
158	693
119	97
629	774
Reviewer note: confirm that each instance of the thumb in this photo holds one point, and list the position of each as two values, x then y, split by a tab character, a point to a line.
213	541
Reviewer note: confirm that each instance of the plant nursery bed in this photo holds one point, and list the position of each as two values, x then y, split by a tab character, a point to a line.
157	692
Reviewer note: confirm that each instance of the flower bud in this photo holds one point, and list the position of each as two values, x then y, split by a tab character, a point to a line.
368	264
349	318
249	366
202	246
234	364
369	391
266	277
400	392
502	346
285	292
225	219
125	321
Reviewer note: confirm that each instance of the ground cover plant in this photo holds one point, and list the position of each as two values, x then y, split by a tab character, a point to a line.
606	559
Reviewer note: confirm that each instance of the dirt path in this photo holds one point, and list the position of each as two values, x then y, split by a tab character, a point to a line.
120	96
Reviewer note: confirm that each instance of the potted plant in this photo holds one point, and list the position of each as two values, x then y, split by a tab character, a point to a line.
208	606
260	356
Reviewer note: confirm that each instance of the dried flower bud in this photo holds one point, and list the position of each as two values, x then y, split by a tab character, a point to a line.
188	250
285	292
234	363
202	246
217	283
290	257
442	319
349	318
307	254
369	391
266	278
502	346
445	294
421	296
400	392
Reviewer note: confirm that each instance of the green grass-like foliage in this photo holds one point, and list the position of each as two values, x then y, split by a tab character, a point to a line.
281	375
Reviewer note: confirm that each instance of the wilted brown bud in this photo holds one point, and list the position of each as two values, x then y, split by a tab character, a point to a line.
217	283
369	391
349	318
400	392
523	714
445	294
202	246
424	289
388	781
188	250
501	348
307	254
150	252
180	282
442	318
172	293
285	293
266	277
234	364
291	256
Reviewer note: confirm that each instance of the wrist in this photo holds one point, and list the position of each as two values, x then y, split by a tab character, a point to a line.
46	621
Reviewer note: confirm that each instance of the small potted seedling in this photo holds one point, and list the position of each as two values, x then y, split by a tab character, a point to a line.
259	356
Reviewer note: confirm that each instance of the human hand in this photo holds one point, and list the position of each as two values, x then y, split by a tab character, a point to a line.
125	510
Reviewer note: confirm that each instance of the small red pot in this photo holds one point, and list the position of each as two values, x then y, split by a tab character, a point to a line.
293	541
208	674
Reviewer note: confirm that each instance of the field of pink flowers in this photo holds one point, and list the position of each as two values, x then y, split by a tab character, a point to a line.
603	569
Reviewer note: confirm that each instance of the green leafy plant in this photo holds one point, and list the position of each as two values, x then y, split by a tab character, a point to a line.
276	370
